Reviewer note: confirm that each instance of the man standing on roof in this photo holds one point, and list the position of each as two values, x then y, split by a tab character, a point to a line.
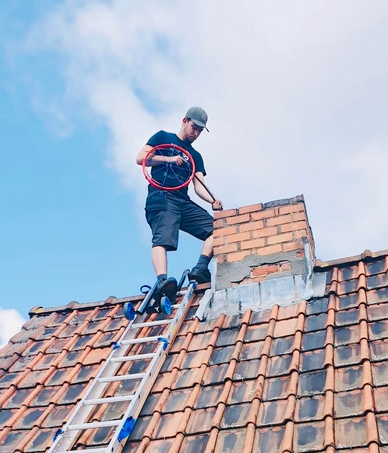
167	212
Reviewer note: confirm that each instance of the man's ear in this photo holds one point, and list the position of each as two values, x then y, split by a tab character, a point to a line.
185	120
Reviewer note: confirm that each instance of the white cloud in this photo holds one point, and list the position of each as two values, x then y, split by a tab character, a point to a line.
294	91
11	322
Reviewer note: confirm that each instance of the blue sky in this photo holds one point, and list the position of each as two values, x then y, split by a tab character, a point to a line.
297	98
69	228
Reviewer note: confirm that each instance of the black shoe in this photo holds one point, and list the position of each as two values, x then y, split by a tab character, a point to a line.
200	275
167	287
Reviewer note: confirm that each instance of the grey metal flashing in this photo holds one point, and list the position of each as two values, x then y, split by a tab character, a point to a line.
283	202
204	305
261	296
281	288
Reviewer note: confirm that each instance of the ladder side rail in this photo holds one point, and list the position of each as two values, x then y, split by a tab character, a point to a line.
145	387
95	388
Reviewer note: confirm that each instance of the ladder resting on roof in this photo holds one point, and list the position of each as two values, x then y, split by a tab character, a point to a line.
79	420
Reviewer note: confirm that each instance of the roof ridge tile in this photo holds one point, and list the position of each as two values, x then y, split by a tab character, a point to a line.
372	434
367	377
288	438
300	322
361	297
295	360
329	439
328	359
297	343
193	396
364	350
328	408
217	418
249	438
329	337
302	307
231	369
330	379
253	411
289	412
367	399
332	302
293	387
274	312
155	418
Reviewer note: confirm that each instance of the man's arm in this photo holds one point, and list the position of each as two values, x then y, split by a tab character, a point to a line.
204	194
142	154
155	160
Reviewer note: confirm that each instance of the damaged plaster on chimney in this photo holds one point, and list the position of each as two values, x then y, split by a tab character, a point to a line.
278	265
282	290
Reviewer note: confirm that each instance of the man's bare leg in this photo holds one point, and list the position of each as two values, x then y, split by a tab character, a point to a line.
207	248
159	259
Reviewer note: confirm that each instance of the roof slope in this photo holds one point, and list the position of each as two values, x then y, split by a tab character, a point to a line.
308	377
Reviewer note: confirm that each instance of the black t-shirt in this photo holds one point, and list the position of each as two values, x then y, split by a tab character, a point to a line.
161	138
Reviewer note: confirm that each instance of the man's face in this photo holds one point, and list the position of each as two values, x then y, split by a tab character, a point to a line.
190	131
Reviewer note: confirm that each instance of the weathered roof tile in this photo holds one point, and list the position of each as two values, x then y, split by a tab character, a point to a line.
307	377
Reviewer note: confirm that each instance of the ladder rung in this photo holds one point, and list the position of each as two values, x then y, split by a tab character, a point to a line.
162	322
124	377
94	425
89	450
142	340
109	399
133	357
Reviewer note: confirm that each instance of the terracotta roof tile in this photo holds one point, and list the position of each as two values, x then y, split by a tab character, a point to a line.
308	377
268	440
380	373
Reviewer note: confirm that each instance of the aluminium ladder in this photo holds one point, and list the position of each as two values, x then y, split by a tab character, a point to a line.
64	438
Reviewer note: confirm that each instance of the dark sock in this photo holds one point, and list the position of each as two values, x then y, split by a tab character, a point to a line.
203	261
161	277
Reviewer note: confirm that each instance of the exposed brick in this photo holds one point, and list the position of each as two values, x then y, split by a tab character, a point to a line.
221	258
286	237
218	223
226	213
238	237
276	248
261	278
296	216
293	226
251	226
286	267
237	219
225	231
300	254
250	208
279	220
290	246
218	241
252	244
225	249
237	256
265	270
291	208
300	234
267	214
264	232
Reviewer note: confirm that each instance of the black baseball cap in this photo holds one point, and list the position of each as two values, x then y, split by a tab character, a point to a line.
198	116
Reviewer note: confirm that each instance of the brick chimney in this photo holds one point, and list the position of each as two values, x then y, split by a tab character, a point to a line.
262	242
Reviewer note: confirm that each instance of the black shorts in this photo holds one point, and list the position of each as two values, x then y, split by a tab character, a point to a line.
166	214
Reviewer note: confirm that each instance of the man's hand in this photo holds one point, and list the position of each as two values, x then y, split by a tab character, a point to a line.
178	160
217	205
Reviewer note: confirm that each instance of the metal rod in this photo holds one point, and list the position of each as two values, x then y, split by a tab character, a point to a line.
206	188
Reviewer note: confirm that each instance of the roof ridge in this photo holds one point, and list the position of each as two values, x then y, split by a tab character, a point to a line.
367	255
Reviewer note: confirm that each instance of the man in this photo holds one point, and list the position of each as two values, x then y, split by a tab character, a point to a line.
167	212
